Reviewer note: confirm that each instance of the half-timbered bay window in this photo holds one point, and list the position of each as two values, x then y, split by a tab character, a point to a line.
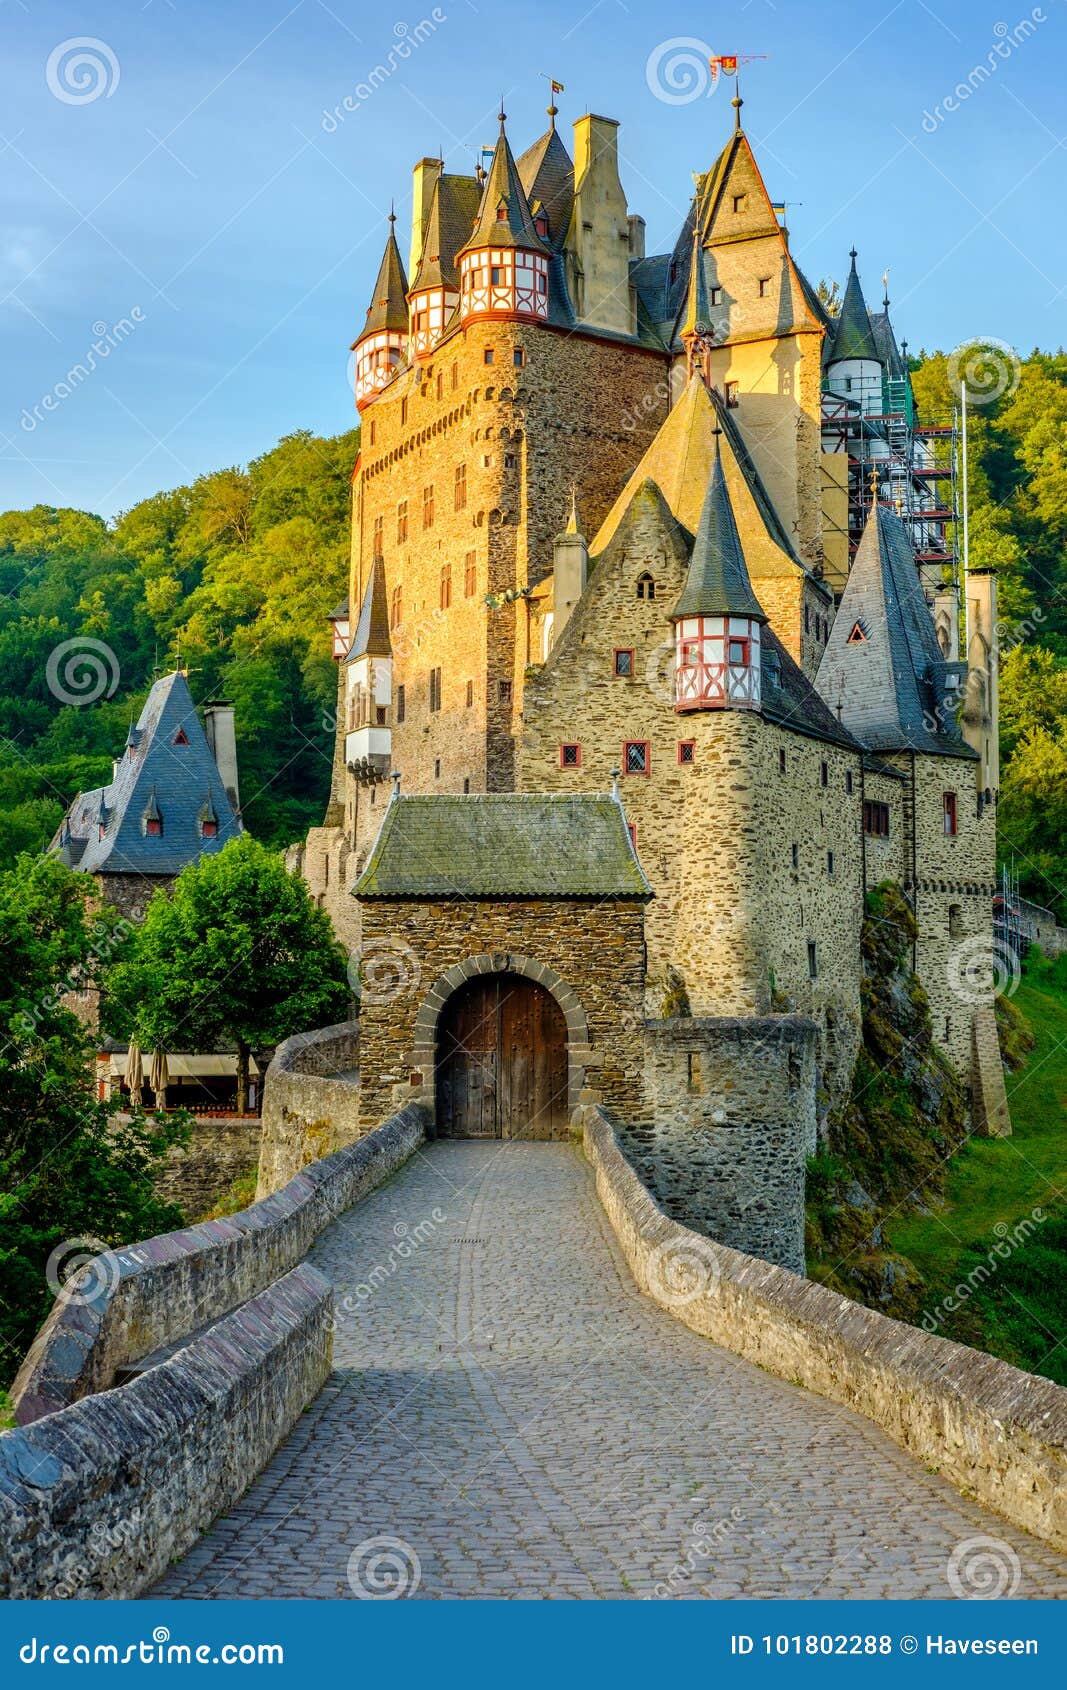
377	358
718	662
503	282
430	310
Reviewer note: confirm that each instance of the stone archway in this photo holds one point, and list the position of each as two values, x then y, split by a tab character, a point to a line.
424	1054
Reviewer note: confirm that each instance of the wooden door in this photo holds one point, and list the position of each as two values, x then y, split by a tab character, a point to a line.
502	1061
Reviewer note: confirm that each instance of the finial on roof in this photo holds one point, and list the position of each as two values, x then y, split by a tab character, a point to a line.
737	102
874	485
615	773
503	113
853	254
394	776
572	520
392	213
885	289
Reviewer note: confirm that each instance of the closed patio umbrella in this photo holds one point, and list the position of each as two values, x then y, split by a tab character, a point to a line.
134	1074
159	1077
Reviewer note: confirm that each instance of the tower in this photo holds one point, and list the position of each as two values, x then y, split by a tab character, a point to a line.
503	268
435	283
854	370
981	706
380	346
369	686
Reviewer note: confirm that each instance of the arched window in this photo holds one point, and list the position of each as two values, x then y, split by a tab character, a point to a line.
646	586
955	921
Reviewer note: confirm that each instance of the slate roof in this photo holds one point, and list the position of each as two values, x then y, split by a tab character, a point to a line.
179	781
546	172
371	635
388	307
503	844
697	318
853	336
891	683
453	211
885	344
718	582
503	187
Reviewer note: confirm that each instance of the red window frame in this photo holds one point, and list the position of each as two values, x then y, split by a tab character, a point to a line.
576	761
950	811
210	830
745	643
634	745
690	746
622	651
153	828
631	828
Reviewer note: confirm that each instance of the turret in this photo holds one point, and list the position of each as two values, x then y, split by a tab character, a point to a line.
855	370
380	347
435	285
696	332
504	266
369	686
570	566
718	617
981	707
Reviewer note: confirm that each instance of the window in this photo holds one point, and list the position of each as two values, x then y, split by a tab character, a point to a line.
518	357
401	704
505	691
687	750
740	202
830	863
715	296
466	783
488	355
624	662
807	618
373	430
764	286
635	757
541	225
396	608
875	819
381	715
403	412
440	385
631	828
470	576
542	282
501	213
378	537
570	756
455	376
849	782
497	277
470	695
646	586
427	506
955	921
209	828
781	760
813	960
796	854
181	737
435	689
858	634
153	826
509	460
446	586
694	1074
738	651
401	522
824	774
733	395
948	805
437	768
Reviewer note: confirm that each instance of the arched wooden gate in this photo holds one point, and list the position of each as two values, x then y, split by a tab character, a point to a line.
501	1060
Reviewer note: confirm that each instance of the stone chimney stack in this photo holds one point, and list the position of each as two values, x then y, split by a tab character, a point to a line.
600	233
424	178
570	566
222	740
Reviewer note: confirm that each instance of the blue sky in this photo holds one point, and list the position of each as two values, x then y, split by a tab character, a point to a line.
205	196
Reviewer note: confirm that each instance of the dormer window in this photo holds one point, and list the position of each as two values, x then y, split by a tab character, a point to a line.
153	826
646	586
541	225
858	635
764	286
740	202
739	651
733	395
501	213
181	737
715	296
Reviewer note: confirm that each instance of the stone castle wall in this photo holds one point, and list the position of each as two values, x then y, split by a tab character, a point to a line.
310	1103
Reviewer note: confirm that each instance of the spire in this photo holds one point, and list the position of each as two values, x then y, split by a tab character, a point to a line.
854	337
388	307
572	521
696	332
371	635
718	582
737	102
503	218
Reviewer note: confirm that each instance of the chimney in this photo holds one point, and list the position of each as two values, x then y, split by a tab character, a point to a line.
570	567
637	236
424	177
218	727
600	232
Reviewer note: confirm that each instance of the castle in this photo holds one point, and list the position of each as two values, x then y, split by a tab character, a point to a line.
650	668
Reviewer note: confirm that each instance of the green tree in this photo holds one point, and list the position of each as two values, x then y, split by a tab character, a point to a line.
71	1171
236	953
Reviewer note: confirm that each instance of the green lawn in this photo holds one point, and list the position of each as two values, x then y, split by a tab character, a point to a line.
1016	1307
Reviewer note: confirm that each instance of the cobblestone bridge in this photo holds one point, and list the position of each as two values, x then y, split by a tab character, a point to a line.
516	1420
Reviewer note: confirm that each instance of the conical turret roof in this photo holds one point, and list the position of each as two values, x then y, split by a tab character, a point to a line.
453	208
371	636
854	337
388	307
504	218
718	582
547	175
697	318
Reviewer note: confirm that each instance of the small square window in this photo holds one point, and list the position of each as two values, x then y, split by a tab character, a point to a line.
624	663
496	275
764	286
687	750
505	692
570	756
209	829
518	357
740	202
738	652
635	757
715	296
488	355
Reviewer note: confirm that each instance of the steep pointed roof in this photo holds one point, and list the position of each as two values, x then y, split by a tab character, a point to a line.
697	318
388	307
883	665
546	172
503	191
167	772
853	336
371	636
453	208
718	583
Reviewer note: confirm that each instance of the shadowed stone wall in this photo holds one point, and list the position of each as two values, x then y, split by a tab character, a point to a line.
310	1102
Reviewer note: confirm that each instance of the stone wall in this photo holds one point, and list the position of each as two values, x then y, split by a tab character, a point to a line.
594	946
730	1121
310	1102
99	1498
1040	926
136	1301
221	1149
996	1433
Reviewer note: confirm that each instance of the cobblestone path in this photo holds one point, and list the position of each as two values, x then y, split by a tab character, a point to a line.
516	1420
